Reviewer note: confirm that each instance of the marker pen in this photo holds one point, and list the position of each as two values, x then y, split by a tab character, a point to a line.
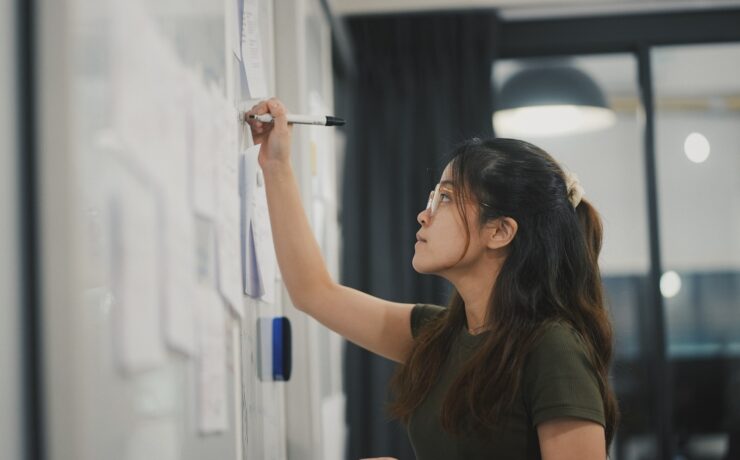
319	120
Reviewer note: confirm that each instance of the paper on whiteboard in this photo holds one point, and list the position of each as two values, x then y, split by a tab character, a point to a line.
212	396
136	273
228	216
153	439
147	97
259	259
134	82
178	237
229	250
204	159
252	58
253	284
248	180
235	34
150	106
262	237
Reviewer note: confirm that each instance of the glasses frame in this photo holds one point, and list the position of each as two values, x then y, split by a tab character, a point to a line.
435	198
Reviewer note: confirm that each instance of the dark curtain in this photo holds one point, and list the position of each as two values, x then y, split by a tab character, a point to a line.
422	84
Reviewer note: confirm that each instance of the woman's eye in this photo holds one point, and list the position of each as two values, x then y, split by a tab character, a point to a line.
445	196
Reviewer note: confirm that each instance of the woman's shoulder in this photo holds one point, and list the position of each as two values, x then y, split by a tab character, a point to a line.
558	348
559	379
559	355
422	313
557	335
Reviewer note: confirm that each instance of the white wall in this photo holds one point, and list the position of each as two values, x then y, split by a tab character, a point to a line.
699	203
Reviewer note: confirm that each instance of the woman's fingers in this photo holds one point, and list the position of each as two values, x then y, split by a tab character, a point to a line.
274	136
278	112
259	108
259	128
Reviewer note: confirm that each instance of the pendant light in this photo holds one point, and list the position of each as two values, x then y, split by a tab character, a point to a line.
550	101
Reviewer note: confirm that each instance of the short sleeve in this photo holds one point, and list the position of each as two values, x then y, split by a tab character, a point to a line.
559	380
421	314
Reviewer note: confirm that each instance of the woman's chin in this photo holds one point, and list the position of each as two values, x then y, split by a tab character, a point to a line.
415	264
419	267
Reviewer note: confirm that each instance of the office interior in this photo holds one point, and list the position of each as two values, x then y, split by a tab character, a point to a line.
648	106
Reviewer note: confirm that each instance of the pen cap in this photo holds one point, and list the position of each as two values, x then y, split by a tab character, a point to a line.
334	121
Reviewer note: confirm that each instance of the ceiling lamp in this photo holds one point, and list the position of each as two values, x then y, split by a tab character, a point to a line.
550	101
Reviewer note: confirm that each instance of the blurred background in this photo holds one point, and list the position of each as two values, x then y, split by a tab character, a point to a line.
640	99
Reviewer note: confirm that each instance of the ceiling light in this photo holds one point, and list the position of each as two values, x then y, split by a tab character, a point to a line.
670	284
550	101
696	147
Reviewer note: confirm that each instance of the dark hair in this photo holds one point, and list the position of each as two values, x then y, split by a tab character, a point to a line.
550	273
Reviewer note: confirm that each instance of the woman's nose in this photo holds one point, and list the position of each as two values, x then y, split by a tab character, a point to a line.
423	217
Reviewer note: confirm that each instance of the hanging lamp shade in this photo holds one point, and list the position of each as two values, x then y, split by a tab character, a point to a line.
550	101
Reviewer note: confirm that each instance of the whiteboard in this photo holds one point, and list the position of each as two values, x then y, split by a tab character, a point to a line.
141	83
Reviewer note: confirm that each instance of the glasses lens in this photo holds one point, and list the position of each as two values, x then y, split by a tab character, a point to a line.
434	199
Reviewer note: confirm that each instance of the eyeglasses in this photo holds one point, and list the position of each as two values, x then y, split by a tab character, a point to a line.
435	196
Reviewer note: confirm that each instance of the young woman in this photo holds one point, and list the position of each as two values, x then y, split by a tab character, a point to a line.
516	367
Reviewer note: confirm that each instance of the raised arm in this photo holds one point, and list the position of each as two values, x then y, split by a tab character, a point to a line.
375	324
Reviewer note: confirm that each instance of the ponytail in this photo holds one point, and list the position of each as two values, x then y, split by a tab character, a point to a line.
592	228
599	330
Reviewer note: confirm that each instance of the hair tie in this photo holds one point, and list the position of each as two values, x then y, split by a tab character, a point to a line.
574	188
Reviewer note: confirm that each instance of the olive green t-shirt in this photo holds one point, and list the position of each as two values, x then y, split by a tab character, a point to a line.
557	381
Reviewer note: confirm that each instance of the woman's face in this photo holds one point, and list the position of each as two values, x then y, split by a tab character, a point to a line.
443	234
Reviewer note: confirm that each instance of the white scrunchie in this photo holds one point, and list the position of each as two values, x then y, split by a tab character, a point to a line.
574	187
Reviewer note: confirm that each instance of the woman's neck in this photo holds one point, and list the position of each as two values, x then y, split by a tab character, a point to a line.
475	285
476	293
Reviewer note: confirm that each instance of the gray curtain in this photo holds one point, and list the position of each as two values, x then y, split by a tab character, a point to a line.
422	84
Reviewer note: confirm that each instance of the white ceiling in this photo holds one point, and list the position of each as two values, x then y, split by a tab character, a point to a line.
524	8
697	71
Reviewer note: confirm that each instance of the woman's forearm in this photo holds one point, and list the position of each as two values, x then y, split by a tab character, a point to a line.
301	265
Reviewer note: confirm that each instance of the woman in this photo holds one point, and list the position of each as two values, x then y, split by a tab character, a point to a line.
516	367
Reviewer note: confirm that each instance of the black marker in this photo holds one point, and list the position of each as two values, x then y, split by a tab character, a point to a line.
319	120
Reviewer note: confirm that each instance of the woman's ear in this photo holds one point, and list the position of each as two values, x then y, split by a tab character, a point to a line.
501	232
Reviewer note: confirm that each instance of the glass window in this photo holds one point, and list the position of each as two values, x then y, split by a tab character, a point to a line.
697	96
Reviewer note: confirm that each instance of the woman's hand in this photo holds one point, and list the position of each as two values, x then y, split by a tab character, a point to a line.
274	137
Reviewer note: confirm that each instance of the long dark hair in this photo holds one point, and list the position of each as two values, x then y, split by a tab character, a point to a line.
551	273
